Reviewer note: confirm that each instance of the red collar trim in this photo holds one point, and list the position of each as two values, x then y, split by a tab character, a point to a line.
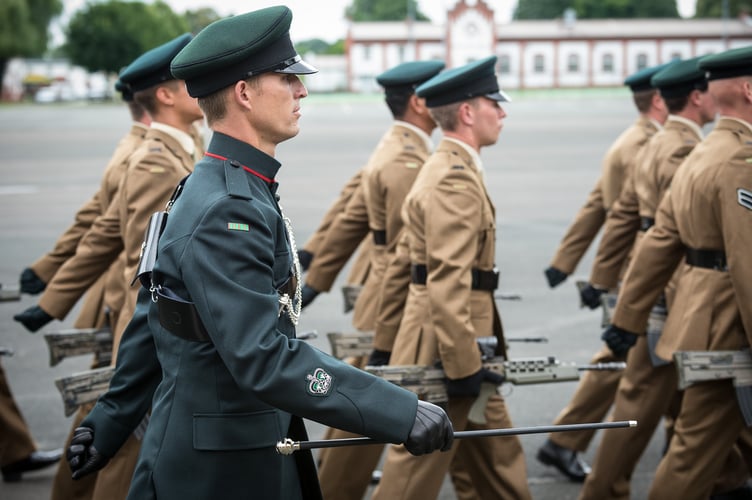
224	158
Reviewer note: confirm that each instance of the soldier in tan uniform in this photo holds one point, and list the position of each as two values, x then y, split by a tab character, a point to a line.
345	473
647	387
18	451
450	226
166	155
595	391
705	219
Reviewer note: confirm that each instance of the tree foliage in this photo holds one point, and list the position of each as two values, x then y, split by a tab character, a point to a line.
714	8
108	36
384	10
319	46
596	9
24	28
200	18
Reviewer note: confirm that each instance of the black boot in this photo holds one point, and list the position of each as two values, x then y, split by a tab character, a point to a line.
567	461
37	460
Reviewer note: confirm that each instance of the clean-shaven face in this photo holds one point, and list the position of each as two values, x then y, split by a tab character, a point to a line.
489	116
275	106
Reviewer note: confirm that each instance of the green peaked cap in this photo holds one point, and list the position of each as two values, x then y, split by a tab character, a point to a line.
238	47
640	80
680	79
475	79
407	76
152	67
728	64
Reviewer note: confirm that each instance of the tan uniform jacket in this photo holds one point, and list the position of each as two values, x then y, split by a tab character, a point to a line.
640	197
391	171
392	295
150	179
104	241
707	208
617	164
346	231
451	229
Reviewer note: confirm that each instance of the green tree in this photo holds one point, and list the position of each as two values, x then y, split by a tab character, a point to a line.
200	18
24	28
596	9
714	8
384	10
541	9
624	9
108	36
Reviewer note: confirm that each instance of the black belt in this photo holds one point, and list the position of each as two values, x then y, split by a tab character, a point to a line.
482	280
180	317
379	237
646	223
708	259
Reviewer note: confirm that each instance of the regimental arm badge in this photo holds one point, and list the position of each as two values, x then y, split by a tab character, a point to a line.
318	383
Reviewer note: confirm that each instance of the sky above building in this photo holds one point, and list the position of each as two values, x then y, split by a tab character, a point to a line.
325	18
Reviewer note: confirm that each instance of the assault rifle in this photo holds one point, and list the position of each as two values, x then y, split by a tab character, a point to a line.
9	293
702	366
656	320
361	344
429	382
350	294
84	387
76	342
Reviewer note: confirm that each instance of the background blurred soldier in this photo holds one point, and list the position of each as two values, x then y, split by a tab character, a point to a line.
346	472
451	231
596	389
647	390
706	219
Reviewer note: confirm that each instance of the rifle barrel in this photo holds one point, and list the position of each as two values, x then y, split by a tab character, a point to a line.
288	446
613	365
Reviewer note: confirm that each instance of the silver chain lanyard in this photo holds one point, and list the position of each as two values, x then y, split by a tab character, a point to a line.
293	309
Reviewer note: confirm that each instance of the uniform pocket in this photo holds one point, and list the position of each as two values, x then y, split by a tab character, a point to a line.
237	431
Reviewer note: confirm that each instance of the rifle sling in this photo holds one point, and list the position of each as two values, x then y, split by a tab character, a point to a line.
481	280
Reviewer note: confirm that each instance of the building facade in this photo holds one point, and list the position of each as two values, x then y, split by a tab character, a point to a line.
537	54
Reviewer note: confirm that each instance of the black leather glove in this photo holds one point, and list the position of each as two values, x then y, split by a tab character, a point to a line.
554	276
305	257
469	387
379	358
591	296
431	431
307	295
618	340
30	282
82	456
33	318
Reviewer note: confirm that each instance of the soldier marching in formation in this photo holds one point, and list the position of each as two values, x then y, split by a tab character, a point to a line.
207	352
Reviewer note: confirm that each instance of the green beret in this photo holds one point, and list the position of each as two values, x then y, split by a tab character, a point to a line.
640	80
238	47
680	79
477	78
153	67
728	64
406	76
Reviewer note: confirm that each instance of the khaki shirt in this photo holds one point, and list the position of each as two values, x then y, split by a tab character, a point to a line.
391	171
708	208
640	197
617	164
450	227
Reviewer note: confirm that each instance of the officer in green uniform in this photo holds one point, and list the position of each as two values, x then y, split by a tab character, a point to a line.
217	350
